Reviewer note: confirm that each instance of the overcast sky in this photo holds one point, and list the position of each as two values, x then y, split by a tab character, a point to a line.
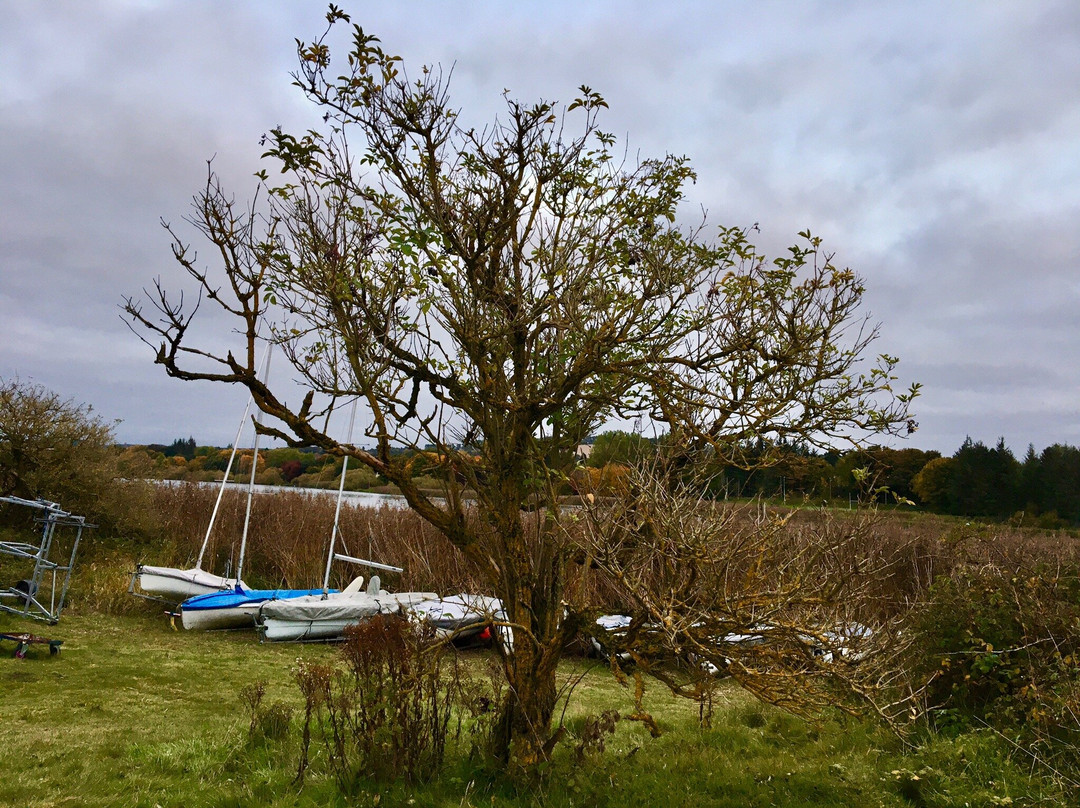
935	146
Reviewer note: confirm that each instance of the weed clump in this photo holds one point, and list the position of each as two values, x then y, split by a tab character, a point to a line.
594	734
384	711
268	722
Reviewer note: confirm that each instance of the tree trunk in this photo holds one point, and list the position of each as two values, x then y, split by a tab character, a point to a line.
532	594
522	735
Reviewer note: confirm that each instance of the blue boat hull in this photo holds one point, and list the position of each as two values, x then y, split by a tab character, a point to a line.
234	608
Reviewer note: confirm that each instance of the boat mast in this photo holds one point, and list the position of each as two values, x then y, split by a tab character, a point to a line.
251	481
337	510
221	488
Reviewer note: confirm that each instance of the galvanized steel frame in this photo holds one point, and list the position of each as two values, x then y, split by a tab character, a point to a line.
45	570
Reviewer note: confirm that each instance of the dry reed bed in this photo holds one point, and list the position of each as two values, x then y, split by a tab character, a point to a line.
290	533
910	550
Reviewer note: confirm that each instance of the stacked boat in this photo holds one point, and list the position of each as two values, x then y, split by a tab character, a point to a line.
173	585
325	616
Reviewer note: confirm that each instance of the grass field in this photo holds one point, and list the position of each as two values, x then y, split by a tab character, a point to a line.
134	713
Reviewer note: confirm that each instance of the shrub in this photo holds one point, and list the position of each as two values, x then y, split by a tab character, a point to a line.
62	451
1000	647
595	730
361	479
271	476
385	711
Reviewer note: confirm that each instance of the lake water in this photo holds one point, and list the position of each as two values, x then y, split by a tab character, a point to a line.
358	499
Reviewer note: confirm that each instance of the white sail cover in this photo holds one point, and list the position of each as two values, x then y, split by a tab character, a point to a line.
459	612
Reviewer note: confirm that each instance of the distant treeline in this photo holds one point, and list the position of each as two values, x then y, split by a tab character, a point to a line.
981	481
183	459
977	480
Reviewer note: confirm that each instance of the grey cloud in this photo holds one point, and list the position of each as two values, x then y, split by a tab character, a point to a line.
932	146
980	378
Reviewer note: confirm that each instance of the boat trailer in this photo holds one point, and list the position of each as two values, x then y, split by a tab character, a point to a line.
24	641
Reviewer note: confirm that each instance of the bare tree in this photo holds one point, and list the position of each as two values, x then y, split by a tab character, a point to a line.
494	296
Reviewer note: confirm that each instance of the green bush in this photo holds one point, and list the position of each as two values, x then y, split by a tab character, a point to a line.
1001	648
271	476
361	479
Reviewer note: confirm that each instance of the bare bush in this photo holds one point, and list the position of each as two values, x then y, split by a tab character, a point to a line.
797	611
385	711
269	721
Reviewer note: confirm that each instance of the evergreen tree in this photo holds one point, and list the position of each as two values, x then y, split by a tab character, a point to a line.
985	482
1058	479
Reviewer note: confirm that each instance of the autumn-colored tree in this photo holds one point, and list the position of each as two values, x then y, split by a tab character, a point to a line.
495	294
932	484
59	450
291	469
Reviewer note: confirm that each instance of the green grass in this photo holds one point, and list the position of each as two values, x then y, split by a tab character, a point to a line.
125	709
133	713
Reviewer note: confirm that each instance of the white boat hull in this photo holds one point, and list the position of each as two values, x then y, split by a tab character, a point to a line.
226	617
277	629
176	585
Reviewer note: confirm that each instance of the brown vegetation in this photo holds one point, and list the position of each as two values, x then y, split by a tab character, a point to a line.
289	537
290	532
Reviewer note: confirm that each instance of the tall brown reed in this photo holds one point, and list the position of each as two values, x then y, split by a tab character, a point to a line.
289	537
290	531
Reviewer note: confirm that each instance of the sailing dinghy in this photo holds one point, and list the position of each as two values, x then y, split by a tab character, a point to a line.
175	585
326	616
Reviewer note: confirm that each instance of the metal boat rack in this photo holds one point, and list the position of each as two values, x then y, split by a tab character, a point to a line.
41	595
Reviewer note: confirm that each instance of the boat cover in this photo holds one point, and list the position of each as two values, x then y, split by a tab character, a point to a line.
458	611
614	622
194	576
342	606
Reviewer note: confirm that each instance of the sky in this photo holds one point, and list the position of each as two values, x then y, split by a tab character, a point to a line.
935	148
